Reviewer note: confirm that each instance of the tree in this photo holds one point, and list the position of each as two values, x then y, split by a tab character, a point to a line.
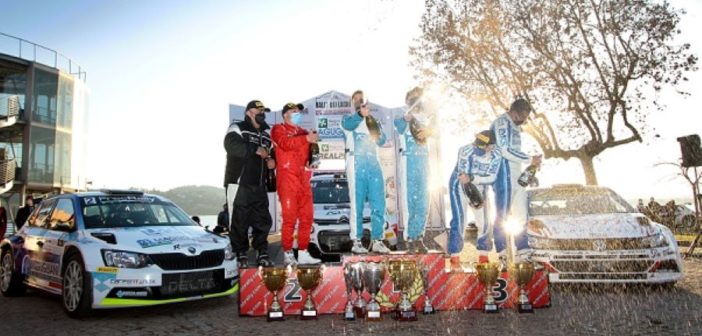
588	67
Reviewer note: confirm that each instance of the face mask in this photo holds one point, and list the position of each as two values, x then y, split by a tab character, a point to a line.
296	118
260	118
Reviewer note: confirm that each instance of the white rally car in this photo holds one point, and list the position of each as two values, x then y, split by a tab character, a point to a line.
332	210
589	234
116	249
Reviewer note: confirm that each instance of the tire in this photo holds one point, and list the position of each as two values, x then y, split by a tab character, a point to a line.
10	280
77	289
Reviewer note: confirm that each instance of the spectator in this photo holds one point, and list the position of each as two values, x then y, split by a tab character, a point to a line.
222	220
24	212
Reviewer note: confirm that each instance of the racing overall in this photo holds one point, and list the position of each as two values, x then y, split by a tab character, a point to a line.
245	186
483	168
414	191
510	197
294	191
365	176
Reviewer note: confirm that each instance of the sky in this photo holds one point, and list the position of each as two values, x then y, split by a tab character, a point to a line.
163	73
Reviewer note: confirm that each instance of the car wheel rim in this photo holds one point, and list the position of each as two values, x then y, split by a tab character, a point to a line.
72	286
6	272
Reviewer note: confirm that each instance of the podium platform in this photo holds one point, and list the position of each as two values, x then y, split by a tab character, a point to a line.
447	290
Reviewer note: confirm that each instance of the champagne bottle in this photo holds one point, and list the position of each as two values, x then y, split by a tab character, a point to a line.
416	127
528	176
270	176
474	196
373	127
315	157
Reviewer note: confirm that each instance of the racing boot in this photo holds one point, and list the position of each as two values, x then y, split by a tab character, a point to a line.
242	259
419	246
411	249
379	247
358	247
304	258
289	258
263	259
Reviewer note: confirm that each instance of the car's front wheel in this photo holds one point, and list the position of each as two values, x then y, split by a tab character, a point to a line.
76	287
10	280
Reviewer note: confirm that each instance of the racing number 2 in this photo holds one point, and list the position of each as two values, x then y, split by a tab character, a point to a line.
292	292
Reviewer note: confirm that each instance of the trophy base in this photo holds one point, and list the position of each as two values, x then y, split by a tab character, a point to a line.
525	308
308	315
406	315
359	311
491	308
373	316
350	316
428	310
275	316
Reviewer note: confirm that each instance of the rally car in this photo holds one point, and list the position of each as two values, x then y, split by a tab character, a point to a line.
589	234
332	210
116	249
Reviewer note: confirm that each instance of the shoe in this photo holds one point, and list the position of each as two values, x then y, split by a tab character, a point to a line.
304	258
411	249
483	259
358	248
419	247
289	258
263	259
456	263
378	246
503	263
242	259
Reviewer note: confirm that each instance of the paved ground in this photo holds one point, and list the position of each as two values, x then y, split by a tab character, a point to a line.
574	311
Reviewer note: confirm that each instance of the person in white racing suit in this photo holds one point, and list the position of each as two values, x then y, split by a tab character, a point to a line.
510	197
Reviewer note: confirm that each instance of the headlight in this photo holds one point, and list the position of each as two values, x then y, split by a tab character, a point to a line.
228	252
123	259
657	240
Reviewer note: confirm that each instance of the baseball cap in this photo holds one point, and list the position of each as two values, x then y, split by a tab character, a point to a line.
484	138
255	104
290	106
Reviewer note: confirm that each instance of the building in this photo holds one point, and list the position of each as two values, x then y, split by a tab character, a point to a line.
43	107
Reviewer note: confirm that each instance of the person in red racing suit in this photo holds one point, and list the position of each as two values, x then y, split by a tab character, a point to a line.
293	175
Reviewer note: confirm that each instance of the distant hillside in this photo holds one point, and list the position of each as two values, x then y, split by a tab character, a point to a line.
195	200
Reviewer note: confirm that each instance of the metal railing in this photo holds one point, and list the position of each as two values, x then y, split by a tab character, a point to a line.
7	171
9	106
28	50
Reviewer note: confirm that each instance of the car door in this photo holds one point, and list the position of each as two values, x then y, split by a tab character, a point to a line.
33	265
60	224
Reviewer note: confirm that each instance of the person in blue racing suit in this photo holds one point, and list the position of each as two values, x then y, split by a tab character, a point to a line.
414	162
364	174
510	197
477	163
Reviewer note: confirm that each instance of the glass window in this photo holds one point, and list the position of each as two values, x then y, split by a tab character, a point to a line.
40	216
64	213
13	88
330	191
577	202
42	146
131	213
45	97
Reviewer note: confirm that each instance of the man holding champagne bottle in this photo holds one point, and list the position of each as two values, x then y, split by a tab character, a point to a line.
292	144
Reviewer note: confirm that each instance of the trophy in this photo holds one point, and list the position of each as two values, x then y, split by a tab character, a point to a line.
274	279
487	275
428	307
373	276
349	314
309	278
403	273
357	282
522	273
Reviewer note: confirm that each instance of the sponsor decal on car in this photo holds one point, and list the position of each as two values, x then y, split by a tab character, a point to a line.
101	281
160	241
133	282
103	269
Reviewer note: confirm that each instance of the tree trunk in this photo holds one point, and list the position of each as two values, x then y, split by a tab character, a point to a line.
589	170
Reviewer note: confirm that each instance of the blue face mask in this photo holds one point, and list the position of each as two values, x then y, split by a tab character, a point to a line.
296	118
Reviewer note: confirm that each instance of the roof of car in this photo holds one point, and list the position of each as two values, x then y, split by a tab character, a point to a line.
108	192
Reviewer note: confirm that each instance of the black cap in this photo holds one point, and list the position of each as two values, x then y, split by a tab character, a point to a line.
255	104
484	138
290	106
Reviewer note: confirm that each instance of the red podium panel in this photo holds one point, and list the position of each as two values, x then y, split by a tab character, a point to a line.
447	290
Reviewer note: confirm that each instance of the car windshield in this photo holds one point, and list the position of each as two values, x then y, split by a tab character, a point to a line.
580	201
110	212
330	191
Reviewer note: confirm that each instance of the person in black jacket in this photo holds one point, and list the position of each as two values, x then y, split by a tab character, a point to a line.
222	220
24	212
248	145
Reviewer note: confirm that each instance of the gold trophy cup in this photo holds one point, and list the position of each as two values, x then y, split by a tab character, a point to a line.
309	278
373	277
522	274
403	273
274	278
428	307
487	275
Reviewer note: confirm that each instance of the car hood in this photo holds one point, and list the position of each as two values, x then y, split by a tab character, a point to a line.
162	239
340	212
619	225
